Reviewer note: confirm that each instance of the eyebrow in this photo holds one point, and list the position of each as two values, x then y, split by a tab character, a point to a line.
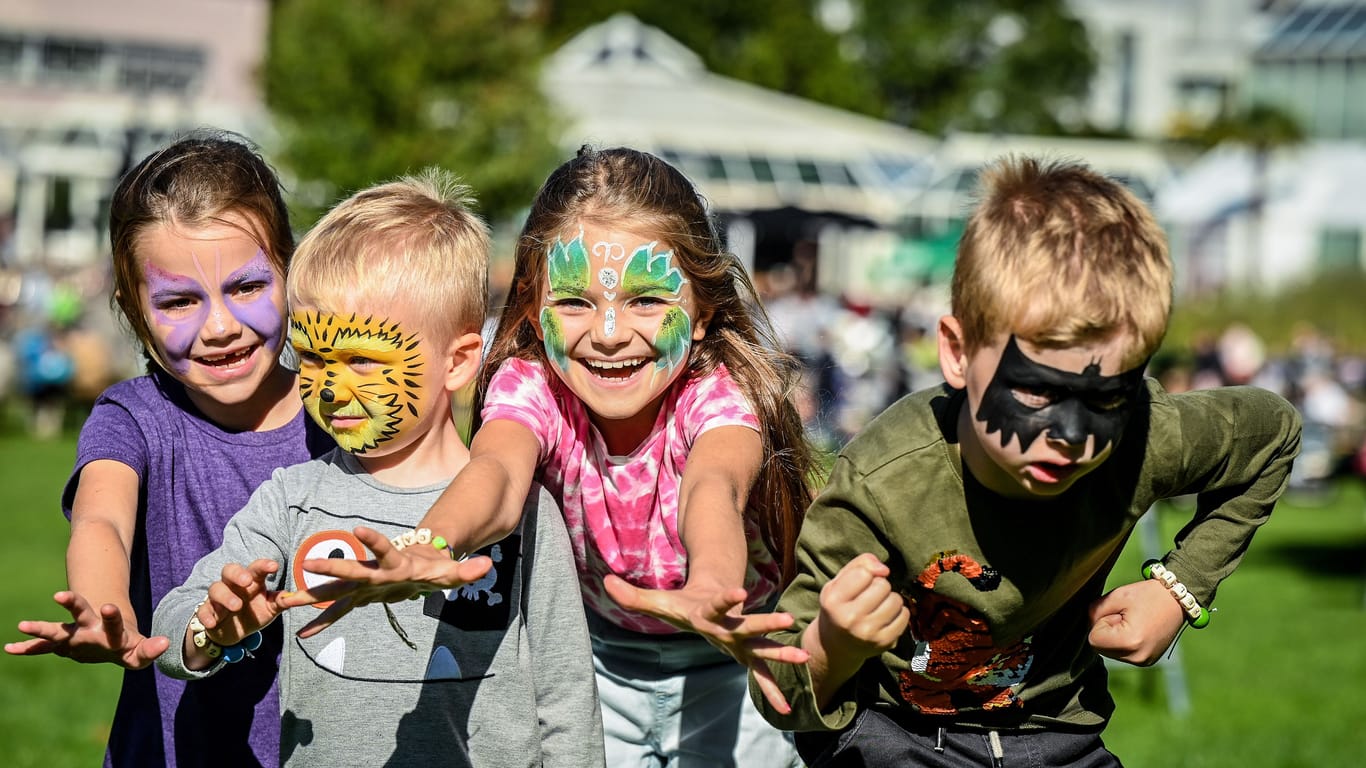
575	292
256	269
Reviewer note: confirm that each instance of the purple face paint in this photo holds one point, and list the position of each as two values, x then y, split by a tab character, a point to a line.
183	305
180	304
248	293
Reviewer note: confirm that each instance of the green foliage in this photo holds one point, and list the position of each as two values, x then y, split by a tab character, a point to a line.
993	65
365	92
987	65
1263	127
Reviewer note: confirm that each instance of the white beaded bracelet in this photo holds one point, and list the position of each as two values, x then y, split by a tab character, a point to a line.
1196	616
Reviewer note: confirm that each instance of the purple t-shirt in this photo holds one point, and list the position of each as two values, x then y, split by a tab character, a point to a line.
194	475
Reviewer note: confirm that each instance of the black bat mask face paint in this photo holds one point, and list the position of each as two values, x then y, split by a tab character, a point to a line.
1073	406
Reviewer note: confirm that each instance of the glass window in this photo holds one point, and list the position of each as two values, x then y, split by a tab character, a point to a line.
153	68
1339	249
72	61
714	166
11	53
837	175
761	168
808	172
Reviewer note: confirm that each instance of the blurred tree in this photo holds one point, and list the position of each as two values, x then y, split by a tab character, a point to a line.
364	92
1009	66
987	65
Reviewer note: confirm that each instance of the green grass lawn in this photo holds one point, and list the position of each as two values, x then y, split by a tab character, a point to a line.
1271	682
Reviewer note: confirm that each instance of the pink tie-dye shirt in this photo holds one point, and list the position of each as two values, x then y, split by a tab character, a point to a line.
622	511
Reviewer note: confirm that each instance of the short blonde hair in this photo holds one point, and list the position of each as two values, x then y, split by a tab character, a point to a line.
413	242
1058	254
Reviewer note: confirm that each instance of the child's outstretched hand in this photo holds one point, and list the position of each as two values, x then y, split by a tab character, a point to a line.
718	616
1135	623
394	575
91	637
239	603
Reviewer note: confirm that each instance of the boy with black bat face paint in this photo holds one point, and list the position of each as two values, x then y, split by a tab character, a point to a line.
950	584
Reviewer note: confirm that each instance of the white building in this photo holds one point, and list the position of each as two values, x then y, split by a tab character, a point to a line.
1162	64
1313	219
88	85
785	174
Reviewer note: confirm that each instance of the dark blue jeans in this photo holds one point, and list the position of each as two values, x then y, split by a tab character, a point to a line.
874	739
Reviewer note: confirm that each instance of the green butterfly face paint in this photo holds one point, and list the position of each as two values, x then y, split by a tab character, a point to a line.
618	321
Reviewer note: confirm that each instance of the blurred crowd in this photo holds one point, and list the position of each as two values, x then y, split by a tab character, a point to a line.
859	359
60	346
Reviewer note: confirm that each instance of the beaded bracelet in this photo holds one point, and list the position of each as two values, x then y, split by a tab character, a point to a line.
230	653
1196	616
422	536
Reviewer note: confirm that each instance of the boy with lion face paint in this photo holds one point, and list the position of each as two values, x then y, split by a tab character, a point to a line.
950	584
387	300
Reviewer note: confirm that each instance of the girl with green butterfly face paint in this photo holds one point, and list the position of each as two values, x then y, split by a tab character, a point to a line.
618	321
635	377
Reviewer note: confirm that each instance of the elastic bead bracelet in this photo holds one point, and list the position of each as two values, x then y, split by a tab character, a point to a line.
231	653
1196	617
422	536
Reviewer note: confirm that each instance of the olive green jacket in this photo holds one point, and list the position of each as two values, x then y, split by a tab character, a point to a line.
998	588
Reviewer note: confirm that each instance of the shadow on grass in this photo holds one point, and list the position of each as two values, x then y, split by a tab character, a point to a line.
1320	559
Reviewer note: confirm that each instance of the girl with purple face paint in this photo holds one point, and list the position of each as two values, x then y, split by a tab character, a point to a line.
201	241
634	375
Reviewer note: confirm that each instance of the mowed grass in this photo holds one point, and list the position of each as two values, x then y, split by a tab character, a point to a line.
53	712
1275	680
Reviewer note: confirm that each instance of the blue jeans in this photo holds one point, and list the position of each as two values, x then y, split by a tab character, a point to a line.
676	701
874	739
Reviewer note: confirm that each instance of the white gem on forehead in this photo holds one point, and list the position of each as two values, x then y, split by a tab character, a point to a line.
609	322
608	277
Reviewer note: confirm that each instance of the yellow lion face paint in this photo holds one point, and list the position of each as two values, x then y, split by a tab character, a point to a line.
360	377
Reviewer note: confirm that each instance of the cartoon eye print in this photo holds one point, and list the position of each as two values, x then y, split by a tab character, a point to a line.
324	545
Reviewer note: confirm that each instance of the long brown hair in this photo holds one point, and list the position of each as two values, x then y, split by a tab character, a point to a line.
630	188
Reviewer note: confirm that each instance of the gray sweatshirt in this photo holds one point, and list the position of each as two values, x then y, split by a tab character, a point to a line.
501	673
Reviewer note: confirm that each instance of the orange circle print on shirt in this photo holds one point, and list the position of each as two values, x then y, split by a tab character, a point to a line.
321	545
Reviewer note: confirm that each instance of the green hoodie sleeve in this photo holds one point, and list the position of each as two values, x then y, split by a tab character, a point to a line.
844	522
1236	447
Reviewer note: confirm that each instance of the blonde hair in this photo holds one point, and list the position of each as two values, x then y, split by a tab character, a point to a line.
630	188
1058	254
412	242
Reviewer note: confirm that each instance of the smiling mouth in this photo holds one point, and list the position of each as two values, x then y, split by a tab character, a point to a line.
615	370
226	363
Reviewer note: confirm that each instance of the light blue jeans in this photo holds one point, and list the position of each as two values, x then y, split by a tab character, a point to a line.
676	701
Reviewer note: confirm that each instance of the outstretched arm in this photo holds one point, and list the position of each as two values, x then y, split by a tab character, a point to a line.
482	505
721	469
236	605
103	626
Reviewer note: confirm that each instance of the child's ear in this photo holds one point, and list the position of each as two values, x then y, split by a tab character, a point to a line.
534	318
463	356
699	327
952	352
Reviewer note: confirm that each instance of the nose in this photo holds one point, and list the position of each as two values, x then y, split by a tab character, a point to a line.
221	322
1068	423
605	327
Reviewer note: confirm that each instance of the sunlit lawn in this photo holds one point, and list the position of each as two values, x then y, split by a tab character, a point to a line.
1275	680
